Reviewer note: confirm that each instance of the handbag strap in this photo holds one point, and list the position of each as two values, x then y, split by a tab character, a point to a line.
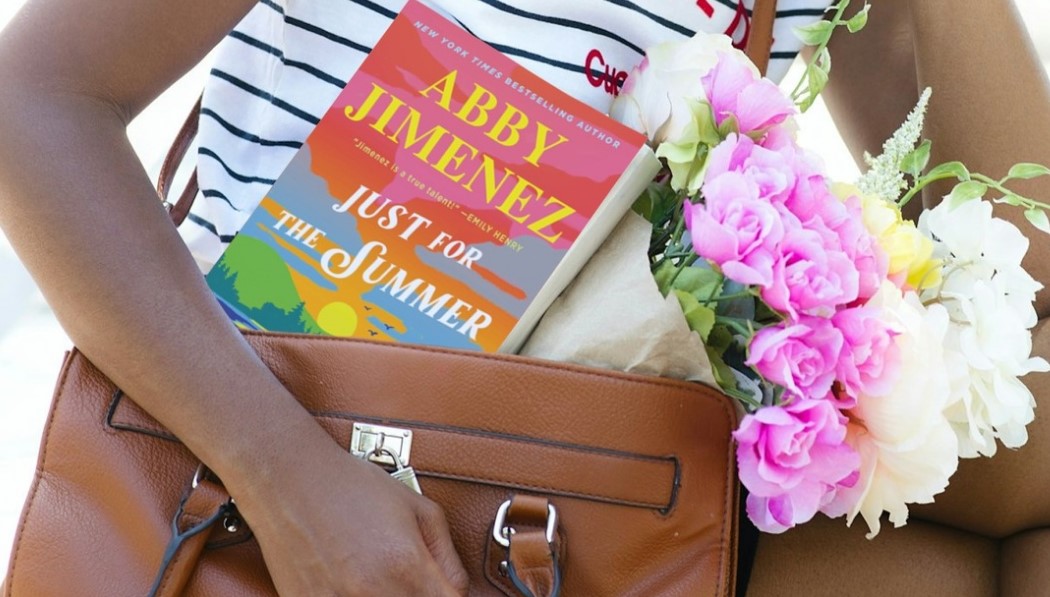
760	39
759	44
183	140
533	564
203	505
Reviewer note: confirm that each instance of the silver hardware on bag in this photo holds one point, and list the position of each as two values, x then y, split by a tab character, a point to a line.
387	446
406	475
395	444
232	524
501	532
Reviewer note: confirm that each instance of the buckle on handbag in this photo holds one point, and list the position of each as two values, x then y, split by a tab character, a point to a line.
501	531
381	445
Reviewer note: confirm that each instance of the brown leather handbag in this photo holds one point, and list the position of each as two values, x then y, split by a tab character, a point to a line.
612	484
555	479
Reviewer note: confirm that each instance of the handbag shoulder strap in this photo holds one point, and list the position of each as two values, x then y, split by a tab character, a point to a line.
760	42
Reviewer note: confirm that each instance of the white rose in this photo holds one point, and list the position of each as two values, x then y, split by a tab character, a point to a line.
907	447
653	99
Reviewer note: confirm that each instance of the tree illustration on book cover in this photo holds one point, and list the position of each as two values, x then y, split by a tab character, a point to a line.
435	200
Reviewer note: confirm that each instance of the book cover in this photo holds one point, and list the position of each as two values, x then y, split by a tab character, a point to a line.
446	198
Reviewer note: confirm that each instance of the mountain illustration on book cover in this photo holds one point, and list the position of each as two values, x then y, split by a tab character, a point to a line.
446	198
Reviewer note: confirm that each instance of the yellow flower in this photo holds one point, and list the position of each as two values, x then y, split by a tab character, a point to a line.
911	256
910	252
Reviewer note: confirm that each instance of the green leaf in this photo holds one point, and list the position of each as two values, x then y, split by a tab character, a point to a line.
700	318
648	203
722	373
814	34
701	282
704	115
966	191
915	162
954	169
728	126
859	20
816	80
663	274
823	60
719	340
1012	199
1026	171
1038	219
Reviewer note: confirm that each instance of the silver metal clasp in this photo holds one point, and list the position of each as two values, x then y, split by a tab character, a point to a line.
390	446
501	532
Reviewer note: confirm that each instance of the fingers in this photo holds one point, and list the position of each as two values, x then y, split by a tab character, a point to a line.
436	535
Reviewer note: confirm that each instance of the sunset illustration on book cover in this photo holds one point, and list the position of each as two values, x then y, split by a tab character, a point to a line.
446	198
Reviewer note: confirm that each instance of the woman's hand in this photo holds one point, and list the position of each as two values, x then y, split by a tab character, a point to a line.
343	526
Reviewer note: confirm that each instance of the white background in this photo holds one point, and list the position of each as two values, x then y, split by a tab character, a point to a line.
32	343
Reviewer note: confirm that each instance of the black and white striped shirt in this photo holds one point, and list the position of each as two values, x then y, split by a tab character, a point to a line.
285	63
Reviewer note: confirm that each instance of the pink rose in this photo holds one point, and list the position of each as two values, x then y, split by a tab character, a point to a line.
740	225
736	230
793	459
861	247
734	88
870	361
800	356
774	172
840	225
811	277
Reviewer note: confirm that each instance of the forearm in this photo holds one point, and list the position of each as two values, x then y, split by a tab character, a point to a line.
82	215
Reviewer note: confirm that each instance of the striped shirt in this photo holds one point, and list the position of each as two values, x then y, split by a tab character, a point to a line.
279	70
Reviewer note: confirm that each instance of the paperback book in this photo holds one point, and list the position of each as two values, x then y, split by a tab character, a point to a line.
446	198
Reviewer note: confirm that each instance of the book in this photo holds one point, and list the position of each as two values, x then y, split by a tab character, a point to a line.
446	198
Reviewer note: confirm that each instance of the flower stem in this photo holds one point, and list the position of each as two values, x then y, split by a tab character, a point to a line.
737	324
729	297
919	186
817	51
998	185
688	261
744	397
981	178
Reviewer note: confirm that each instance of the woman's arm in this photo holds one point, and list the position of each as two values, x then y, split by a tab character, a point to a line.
82	215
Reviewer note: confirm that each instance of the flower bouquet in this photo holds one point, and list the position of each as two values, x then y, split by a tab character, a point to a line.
868	353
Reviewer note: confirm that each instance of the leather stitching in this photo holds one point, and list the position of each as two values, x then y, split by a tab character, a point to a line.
167	573
116	422
540	489
496	436
664	507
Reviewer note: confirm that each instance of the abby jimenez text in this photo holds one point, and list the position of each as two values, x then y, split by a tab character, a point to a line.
459	161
